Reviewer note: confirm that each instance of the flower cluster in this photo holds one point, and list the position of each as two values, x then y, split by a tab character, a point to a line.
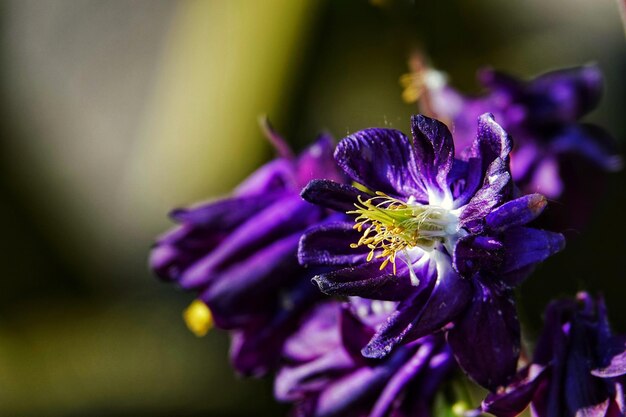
367	275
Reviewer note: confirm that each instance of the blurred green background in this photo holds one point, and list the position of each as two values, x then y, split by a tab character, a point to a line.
115	112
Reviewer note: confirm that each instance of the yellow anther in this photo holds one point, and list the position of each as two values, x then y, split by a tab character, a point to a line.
198	318
460	408
390	226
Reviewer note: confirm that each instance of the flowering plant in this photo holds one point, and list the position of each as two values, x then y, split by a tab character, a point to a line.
420	243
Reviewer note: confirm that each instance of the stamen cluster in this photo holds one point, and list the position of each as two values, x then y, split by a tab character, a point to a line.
393	226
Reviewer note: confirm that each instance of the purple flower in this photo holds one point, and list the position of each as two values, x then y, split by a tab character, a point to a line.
578	367
239	253
443	237
325	375
542	115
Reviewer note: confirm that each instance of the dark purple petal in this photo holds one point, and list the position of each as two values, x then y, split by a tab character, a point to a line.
492	142
180	247
613	359
567	94
486	338
467	182
434	150
402	377
368	281
398	324
227	213
489	155
441	295
330	194
516	212
510	401
354	333
292	383
590	142
585	395
256	346
382	160
473	253
359	389
553	340
526	246
282	218
329	244
244	288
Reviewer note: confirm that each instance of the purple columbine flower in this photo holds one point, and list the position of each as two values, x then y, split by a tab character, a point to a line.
542	115
578	368
325	375
239	253
443	237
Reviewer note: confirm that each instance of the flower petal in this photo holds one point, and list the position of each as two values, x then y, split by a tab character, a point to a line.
566	94
316	335
256	345
225	214
382	160
526	246
402	377
243	289
441	295
329	244
284	217
330	194
367	281
492	142
513	399
354	333
473	253
590	142
614	359
496	188
434	151
516	212
486	338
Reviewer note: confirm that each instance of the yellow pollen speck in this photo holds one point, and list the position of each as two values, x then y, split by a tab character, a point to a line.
198	318
460	408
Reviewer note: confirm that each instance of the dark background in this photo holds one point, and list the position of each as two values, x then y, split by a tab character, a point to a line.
115	112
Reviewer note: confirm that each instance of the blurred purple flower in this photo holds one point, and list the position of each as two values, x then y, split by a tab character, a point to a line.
455	228
578	367
239	253
325	375
542	116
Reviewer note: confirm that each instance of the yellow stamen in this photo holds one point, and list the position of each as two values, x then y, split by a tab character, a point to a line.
198	318
390	226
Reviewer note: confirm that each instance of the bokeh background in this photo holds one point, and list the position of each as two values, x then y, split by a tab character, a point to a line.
115	112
